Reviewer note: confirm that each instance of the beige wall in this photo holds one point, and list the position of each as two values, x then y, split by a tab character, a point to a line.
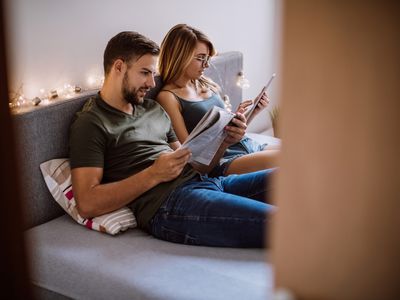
336	235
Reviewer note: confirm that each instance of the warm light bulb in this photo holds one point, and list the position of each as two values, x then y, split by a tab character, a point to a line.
45	102
53	94
91	81
21	100
242	81
67	91
66	88
227	103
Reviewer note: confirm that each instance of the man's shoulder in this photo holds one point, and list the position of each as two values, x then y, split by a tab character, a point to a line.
89	112
152	106
150	103
89	105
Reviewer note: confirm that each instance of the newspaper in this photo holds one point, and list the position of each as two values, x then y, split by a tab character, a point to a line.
208	135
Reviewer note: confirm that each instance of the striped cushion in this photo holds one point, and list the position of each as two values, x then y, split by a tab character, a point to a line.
57	174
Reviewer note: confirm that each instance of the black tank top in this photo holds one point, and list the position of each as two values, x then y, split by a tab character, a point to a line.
193	111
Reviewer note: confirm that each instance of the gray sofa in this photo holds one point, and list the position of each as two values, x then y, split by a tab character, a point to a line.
70	261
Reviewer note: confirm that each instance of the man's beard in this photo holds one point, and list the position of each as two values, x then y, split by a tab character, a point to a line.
131	95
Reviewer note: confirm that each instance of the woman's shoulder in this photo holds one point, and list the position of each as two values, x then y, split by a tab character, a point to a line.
169	87
168	90
166	94
168	99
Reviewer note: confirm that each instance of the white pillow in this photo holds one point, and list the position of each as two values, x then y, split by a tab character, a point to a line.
57	175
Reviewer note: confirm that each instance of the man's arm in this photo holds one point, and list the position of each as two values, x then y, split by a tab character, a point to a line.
94	199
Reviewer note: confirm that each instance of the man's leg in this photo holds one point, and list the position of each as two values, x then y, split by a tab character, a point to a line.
201	213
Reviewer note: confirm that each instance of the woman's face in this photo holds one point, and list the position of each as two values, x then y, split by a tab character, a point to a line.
199	61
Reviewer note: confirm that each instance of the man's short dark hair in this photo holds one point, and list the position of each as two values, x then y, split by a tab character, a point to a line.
127	45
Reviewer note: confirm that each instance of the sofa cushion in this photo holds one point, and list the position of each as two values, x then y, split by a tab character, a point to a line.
272	142
57	175
86	265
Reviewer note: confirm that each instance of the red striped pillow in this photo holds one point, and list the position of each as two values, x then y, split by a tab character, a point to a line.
57	175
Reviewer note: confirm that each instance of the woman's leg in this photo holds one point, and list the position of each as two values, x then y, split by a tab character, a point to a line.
256	161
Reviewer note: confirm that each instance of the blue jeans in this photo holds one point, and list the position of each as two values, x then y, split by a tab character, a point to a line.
245	146
224	211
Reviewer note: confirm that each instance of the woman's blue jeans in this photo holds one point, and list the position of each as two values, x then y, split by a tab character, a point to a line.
227	211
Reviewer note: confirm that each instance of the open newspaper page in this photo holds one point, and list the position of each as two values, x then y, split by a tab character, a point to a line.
208	135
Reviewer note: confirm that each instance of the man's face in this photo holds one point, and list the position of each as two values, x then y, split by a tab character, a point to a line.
139	78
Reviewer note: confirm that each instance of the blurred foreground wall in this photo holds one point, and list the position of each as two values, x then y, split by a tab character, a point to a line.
337	232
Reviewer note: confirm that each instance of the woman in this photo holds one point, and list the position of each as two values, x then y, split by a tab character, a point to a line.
187	95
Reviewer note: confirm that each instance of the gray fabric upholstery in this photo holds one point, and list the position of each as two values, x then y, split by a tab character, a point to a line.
42	135
45	294
224	70
82	264
71	261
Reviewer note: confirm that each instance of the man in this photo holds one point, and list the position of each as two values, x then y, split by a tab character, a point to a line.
123	151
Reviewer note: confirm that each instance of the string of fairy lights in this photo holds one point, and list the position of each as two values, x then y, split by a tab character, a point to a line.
19	103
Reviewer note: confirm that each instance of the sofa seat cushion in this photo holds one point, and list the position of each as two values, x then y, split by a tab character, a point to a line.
272	142
82	264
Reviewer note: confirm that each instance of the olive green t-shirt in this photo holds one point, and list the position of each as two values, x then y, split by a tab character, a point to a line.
123	145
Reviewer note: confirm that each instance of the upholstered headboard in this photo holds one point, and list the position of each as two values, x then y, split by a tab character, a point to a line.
43	135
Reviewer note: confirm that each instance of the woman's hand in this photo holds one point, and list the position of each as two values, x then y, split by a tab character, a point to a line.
243	106
263	103
236	130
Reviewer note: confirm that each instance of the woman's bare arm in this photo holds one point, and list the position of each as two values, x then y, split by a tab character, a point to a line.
168	101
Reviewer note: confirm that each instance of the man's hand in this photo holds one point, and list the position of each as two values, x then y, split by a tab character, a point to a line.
237	130
169	165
